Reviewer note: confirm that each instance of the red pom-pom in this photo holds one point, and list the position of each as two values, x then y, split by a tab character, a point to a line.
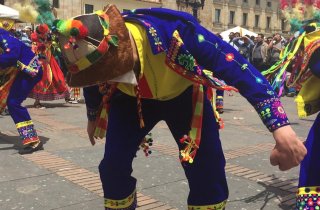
34	37
83	32
42	29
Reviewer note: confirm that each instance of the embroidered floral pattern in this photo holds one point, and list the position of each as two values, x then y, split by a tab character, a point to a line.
187	61
219	206
229	57
129	203
181	61
244	67
32	69
27	133
272	113
308	198
153	37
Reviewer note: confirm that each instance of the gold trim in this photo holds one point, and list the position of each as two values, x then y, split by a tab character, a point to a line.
120	204
219	206
24	124
311	190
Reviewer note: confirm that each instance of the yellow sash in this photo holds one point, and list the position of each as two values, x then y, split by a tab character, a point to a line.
308	99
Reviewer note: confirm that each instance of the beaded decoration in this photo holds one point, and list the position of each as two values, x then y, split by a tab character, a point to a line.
308	198
27	133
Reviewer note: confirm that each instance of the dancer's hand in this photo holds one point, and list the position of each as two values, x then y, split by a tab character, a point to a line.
289	151
90	130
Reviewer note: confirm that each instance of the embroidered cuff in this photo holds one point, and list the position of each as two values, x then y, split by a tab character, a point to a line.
92	114
27	132
129	203
219	206
308	198
272	113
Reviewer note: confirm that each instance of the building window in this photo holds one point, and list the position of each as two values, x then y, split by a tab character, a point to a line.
256	20
269	4
244	19
283	24
2	2
56	3
257	2
231	17
88	8
217	15
268	22
245	1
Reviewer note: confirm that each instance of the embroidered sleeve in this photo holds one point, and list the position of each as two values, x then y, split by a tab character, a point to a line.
272	113
227	64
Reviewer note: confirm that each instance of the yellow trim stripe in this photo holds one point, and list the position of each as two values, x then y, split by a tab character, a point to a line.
219	206
120	204
308	190
24	124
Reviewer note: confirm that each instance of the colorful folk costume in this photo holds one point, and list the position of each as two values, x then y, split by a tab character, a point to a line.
172	50
52	85
301	59
20	72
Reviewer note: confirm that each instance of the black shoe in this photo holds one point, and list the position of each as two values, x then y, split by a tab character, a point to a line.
220	110
30	149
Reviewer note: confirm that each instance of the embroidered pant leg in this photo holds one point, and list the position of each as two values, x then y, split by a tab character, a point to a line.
308	195
19	91
206	175
122	141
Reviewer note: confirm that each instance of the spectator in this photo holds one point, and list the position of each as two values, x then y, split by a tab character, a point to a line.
260	53
231	37
244	45
275	48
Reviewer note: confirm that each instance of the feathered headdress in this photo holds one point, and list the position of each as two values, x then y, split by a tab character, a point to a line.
35	11
300	12
304	18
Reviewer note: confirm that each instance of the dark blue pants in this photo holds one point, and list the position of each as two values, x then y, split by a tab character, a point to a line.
219	93
206	175
20	89
308	195
310	166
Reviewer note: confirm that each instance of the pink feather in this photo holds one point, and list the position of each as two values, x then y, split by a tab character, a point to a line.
284	4
317	3
308	2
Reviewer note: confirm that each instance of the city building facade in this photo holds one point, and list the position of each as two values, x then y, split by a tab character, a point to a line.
259	16
70	8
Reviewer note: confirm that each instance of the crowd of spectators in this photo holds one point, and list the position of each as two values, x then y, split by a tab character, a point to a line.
262	52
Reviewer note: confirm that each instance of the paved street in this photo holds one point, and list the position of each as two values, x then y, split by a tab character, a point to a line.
65	175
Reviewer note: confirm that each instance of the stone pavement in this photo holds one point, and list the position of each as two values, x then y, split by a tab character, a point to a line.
65	175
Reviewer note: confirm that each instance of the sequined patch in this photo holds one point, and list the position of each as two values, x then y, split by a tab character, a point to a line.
27	132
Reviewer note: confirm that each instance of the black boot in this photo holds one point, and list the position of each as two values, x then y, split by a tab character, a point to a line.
31	148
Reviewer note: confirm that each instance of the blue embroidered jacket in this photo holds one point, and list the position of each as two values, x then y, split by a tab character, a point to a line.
179	35
16	53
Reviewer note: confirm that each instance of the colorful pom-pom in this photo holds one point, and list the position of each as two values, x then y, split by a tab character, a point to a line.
34	37
42	29
74	32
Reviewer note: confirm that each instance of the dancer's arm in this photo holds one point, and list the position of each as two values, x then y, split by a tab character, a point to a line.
227	64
